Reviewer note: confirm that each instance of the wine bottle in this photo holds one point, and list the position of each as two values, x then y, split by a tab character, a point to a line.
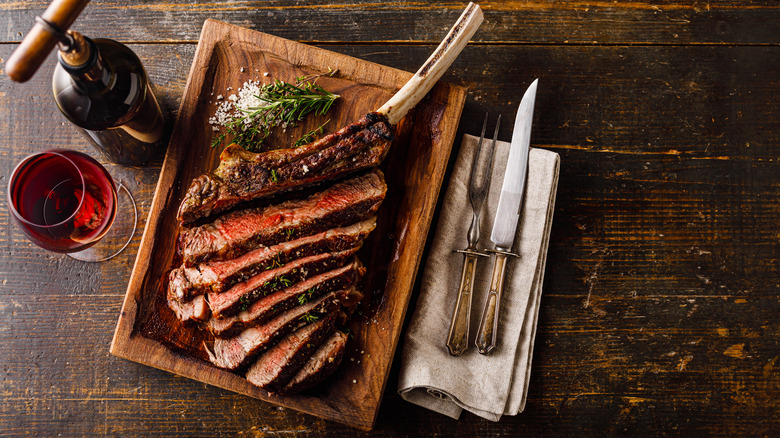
101	86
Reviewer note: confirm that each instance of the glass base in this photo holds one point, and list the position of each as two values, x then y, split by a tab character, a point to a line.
119	235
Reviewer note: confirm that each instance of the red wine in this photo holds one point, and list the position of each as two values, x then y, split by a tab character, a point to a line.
63	200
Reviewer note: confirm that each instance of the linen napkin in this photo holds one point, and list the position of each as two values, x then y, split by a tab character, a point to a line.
487	385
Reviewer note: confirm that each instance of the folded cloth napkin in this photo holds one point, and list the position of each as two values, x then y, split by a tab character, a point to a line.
487	385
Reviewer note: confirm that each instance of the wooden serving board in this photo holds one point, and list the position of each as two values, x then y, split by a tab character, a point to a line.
227	56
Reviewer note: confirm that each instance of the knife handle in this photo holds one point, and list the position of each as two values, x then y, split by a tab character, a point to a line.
458	339
488	324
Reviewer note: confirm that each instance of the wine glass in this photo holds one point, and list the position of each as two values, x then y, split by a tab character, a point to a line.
66	202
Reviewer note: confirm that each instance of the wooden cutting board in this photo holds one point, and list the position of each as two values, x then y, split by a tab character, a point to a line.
227	56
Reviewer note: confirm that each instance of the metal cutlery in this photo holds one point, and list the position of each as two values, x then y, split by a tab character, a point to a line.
507	217
479	183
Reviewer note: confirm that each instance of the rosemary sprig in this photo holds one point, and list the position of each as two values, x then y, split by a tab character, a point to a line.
285	105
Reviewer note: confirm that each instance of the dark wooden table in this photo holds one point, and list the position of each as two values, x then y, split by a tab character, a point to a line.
661	306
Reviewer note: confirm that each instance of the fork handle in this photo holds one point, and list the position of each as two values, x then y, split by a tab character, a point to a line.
457	341
488	325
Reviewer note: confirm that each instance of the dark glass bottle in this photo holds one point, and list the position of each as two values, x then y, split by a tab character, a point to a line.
101	87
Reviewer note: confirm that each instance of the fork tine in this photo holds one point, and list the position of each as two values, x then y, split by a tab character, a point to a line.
475	160
481	168
493	150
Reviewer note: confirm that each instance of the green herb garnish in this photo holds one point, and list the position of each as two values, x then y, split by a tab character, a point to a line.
306	296
218	140
311	135
309	317
285	105
275	262
244	300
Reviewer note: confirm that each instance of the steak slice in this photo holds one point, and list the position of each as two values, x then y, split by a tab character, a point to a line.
341	204
220	275
242	295
302	292
274	368
320	365
243	175
234	352
197	309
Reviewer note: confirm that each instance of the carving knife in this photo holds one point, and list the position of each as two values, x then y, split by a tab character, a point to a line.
507	217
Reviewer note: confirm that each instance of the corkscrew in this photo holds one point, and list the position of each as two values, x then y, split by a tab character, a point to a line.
50	29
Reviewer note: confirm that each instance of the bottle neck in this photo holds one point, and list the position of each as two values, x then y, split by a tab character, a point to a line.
83	62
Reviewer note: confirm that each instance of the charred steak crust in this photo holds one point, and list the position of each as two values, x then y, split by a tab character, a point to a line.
270	306
274	368
343	203
233	268
235	352
243	175
320	365
218	276
242	295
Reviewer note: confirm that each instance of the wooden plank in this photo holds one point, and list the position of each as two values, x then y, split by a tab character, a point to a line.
574	373
660	300
702	103
723	22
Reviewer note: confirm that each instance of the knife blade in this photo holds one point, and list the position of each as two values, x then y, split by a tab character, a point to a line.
507	216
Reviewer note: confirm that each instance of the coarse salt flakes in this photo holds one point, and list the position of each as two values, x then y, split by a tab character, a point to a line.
237	105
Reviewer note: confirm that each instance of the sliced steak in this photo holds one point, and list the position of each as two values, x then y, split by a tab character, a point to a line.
342	204
320	365
272	305
197	309
242	295
235	352
243	175
218	276
274	368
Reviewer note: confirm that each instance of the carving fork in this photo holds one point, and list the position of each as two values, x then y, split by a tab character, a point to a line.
481	170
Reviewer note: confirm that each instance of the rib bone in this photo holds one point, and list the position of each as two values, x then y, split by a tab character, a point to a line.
418	86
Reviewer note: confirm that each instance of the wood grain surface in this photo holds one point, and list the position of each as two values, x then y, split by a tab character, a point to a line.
661	298
226	58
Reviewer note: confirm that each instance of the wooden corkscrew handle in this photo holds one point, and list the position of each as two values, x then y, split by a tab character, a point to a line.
39	42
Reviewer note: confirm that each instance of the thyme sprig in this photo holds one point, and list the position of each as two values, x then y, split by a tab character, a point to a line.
285	105
311	135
